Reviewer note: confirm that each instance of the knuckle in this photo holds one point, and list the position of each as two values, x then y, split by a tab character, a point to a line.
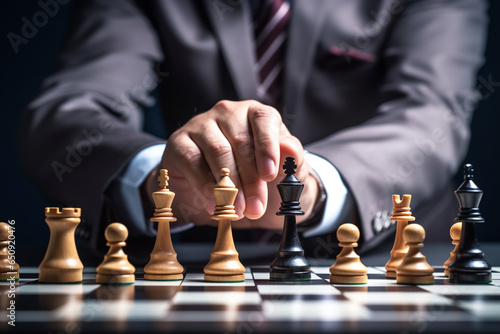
265	141
175	136
197	121
223	105
189	155
261	113
217	149
266	112
242	142
244	146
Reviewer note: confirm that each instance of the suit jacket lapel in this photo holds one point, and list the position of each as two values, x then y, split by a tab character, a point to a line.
303	32
231	22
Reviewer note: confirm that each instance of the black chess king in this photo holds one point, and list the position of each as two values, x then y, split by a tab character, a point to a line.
469	265
290	263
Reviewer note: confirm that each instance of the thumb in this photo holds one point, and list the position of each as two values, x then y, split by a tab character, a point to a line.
291	146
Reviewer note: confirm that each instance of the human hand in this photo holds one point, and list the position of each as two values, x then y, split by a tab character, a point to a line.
251	140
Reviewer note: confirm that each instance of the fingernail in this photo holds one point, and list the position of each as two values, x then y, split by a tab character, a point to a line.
266	167
254	207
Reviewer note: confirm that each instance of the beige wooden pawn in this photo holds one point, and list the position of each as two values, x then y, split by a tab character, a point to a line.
414	268
115	268
163	264
348	268
8	270
455	231
402	214
224	265
61	263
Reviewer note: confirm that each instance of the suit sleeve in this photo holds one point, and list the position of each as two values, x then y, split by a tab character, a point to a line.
420	132
85	124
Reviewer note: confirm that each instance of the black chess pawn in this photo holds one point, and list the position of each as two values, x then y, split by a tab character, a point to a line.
469	265
290	263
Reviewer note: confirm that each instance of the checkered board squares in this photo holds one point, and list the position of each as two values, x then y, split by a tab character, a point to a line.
298	290
216	297
56	289
463	290
197	279
257	304
314	310
485	310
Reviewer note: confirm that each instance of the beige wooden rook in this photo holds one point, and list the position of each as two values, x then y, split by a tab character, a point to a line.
61	263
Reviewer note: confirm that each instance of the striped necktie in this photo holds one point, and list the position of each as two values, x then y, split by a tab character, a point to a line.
270	36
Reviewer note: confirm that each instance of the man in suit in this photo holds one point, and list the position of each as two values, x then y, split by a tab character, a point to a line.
371	97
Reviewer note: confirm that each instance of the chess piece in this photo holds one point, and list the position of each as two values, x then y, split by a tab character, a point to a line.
61	263
348	268
9	269
224	265
402	214
290	263
115	268
469	265
455	231
163	264
414	268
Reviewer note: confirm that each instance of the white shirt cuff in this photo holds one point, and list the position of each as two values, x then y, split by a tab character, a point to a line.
339	202
128	183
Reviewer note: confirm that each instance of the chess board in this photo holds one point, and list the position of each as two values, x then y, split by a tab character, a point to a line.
257	305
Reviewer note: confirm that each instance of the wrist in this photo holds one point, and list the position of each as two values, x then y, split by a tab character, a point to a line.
316	207
148	186
311	197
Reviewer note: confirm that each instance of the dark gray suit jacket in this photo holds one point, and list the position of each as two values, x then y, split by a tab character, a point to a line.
384	90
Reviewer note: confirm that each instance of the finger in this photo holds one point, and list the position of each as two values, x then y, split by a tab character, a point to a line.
237	131
218	154
290	146
184	160
255	197
265	123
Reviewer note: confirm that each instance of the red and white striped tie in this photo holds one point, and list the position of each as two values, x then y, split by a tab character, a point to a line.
270	36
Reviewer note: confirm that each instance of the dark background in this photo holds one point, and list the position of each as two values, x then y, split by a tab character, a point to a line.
23	72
